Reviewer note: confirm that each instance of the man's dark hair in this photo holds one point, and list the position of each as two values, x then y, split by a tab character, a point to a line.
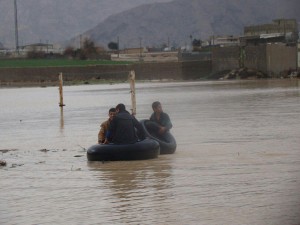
121	107
112	110
155	104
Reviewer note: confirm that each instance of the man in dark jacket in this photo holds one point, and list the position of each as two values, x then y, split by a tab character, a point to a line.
122	127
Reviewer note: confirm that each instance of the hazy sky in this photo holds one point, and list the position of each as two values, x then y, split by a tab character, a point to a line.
56	20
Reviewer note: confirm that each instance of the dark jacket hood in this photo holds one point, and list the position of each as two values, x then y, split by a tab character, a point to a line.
124	115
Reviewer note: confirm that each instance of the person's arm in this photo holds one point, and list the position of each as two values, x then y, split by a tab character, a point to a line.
152	117
167	122
110	131
139	127
101	134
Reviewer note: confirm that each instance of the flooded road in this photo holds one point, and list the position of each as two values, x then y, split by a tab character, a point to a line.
237	159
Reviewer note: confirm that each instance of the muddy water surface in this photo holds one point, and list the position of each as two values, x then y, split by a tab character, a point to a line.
237	160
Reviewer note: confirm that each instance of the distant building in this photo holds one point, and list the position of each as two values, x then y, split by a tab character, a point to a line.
278	26
262	39
2	49
269	48
133	50
223	41
38	47
281	30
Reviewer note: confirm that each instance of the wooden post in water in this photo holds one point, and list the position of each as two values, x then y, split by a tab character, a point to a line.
132	91
61	98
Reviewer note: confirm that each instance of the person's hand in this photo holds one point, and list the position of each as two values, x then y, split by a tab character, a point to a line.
106	141
162	130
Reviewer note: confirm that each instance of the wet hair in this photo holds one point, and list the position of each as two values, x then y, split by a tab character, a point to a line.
112	110
121	107
155	104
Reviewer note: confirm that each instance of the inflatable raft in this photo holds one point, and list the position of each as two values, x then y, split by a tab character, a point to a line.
167	141
146	149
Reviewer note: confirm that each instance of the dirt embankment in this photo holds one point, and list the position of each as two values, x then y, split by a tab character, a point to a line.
47	76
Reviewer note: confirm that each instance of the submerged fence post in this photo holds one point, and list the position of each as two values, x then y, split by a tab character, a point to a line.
132	91
61	98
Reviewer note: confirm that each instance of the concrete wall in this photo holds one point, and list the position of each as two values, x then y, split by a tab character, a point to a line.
196	69
255	57
225	58
194	56
280	59
272	59
154	71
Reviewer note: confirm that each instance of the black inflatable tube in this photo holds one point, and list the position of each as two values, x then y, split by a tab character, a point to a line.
167	142
146	149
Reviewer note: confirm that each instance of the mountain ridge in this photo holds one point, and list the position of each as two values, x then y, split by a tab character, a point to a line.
135	22
176	21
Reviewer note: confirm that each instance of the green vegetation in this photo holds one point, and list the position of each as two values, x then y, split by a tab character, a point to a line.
88	55
27	63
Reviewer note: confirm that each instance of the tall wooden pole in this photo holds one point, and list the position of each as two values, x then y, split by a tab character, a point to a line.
132	91
61	99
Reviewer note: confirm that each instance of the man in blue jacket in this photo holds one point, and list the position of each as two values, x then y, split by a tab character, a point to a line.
122	128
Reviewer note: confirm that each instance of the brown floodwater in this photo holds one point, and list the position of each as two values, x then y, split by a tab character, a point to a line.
237	160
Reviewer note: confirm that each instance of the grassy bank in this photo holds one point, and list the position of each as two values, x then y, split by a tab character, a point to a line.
29	63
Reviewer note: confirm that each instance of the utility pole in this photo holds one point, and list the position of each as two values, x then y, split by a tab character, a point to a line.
16	26
80	41
118	47
47	46
140	49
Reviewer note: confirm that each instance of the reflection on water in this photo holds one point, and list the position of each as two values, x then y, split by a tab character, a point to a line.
138	187
124	177
62	123
237	159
